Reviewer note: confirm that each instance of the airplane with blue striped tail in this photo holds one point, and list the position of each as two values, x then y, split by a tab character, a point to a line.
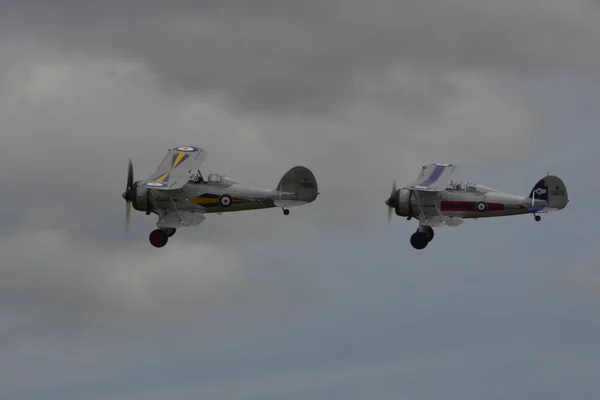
182	189
439	198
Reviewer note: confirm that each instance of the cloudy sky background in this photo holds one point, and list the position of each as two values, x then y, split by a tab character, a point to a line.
329	302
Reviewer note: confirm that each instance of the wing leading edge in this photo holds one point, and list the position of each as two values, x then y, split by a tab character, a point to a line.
173	171
434	178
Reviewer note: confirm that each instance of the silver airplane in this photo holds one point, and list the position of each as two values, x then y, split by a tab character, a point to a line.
182	190
438	198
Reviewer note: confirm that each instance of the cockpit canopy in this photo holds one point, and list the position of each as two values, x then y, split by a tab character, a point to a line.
469	187
215	178
463	186
202	175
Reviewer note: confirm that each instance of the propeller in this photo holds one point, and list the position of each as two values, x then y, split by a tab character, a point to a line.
129	193
391	202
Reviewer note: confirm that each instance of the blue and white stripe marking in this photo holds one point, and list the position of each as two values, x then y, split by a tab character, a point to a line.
434	176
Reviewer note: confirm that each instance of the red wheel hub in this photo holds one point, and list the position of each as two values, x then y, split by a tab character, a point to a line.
158	238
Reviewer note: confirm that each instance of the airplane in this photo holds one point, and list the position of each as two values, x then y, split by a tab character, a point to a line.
438	198
182	190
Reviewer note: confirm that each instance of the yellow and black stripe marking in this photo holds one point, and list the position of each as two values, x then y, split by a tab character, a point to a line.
163	178
178	158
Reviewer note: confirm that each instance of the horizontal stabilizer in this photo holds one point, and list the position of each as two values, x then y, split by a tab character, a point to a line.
289	203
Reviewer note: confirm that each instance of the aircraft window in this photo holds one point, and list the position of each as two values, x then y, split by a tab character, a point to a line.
214	178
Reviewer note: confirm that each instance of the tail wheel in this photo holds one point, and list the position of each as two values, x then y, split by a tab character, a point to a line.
225	200
158	238
286	211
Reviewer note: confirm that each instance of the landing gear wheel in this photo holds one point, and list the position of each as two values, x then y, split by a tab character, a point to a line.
286	211
225	200
428	233
169	231
538	218
418	240
158	238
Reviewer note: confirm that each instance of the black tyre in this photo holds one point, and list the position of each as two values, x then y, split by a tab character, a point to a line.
429	233
158	238
170	231
419	240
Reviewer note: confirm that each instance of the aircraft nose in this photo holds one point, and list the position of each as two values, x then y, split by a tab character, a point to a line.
124	195
387	202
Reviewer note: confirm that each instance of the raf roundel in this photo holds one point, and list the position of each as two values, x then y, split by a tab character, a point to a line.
225	200
481	206
187	148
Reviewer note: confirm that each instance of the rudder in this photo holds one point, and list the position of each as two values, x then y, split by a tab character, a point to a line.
301	181
552	190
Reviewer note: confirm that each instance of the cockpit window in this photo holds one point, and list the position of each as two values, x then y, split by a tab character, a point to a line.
455	186
215	178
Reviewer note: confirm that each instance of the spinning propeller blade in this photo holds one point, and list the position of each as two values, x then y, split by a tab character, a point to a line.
128	194
391	202
127	214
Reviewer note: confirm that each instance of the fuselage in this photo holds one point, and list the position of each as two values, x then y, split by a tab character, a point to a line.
466	201
205	197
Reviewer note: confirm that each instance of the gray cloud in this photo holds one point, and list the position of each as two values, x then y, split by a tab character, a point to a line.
371	91
95	113
309	57
79	117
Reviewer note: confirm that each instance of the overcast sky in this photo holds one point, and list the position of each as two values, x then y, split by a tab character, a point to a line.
330	301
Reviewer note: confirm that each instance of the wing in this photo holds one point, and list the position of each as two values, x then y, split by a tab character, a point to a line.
428	207
441	221
434	178
181	219
173	171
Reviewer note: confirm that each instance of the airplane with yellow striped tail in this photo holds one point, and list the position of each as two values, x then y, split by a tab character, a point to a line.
182	190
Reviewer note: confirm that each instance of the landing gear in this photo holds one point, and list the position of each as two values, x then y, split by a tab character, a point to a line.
418	240
286	211
538	218
170	231
159	238
428	231
421	238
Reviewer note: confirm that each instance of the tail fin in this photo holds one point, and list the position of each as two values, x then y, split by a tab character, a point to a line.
302	182
552	190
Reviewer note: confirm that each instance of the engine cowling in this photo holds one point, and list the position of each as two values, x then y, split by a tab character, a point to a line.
140	200
400	201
